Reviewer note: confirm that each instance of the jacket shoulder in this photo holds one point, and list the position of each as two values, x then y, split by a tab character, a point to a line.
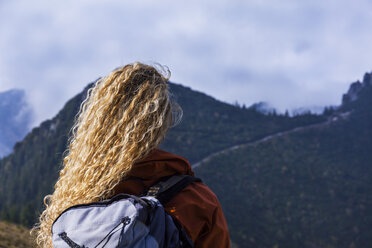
195	208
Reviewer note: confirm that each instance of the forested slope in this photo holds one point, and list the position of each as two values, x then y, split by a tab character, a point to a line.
310	188
29	173
305	188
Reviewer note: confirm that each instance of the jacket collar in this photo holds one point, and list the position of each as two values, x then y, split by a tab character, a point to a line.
146	172
160	164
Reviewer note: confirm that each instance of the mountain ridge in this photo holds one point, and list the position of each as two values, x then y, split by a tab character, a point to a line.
209	126
303	189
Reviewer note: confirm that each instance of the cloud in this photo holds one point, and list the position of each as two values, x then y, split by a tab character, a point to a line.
291	54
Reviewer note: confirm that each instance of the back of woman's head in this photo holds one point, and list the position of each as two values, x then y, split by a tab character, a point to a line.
124	117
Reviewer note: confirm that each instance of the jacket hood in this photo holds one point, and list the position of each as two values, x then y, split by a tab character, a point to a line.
155	165
159	164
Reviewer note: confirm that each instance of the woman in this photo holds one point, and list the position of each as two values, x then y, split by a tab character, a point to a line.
119	127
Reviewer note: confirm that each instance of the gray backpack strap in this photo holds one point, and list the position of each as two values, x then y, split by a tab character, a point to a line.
167	188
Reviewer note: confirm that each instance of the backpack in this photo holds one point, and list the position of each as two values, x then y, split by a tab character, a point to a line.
125	220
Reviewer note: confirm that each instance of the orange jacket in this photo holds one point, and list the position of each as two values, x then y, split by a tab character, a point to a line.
196	206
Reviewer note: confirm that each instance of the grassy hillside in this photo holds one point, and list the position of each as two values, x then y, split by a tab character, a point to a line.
14	236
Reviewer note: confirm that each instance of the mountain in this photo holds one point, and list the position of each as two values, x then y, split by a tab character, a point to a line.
308	188
29	173
271	172
15	119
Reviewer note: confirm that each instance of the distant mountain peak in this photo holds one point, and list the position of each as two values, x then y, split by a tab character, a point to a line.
11	97
15	118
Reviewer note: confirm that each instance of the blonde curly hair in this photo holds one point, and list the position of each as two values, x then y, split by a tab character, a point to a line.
123	118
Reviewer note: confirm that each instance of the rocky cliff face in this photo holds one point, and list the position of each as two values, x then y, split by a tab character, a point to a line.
367	80
15	119
356	88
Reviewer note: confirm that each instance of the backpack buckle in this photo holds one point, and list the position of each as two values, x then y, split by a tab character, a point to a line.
153	191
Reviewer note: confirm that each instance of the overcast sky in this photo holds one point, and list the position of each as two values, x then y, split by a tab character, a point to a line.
289	53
